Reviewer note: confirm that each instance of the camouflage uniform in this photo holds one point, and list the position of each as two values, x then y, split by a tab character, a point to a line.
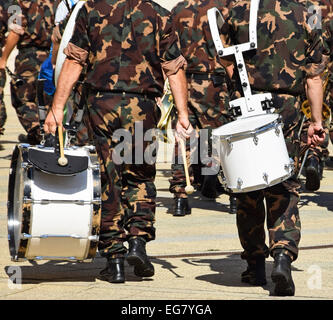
4	5
207	86
33	49
320	152
125	50
287	51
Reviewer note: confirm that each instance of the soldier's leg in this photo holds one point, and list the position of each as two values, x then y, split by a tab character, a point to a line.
104	122
3	113
23	93
139	190
251	231
284	226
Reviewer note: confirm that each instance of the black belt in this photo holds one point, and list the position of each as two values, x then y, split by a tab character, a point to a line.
204	76
150	96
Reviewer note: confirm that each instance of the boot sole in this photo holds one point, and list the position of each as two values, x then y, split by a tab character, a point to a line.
282	286
312	179
109	278
140	268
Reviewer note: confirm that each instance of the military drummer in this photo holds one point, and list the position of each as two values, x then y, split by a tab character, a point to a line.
128	45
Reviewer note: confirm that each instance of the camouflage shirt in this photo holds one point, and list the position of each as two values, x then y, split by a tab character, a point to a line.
37	23
190	20
288	49
126	44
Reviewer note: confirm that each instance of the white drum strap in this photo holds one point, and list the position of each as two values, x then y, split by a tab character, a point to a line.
250	104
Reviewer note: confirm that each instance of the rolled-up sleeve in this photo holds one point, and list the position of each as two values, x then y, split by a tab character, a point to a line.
78	47
171	67
169	48
316	60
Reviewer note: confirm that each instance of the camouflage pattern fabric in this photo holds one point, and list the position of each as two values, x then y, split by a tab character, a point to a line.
207	100
4	5
128	189
119	59
23	94
287	51
326	10
283	221
33	48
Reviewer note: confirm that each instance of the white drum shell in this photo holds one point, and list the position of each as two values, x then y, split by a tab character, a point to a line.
256	157
62	212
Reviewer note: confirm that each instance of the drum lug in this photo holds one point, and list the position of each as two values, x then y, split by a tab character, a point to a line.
255	139
277	130
265	176
27	200
239	183
25	236
229	143
26	165
93	238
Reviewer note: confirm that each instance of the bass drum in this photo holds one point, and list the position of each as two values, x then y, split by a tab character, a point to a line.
53	216
66	37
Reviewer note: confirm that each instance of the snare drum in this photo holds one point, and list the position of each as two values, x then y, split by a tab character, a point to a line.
53	216
253	153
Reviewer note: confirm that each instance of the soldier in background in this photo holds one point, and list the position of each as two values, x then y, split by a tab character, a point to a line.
128	51
4	15
33	40
316	156
284	37
207	99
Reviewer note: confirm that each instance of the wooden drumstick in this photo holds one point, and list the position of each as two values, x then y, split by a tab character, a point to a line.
62	161
189	188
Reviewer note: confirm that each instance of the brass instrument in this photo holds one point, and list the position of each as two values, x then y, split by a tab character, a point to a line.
166	106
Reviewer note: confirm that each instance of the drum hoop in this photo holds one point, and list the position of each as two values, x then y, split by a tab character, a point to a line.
256	131
26	210
97	211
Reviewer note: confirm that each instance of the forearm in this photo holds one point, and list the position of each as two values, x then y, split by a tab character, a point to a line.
69	75
11	42
314	92
178	85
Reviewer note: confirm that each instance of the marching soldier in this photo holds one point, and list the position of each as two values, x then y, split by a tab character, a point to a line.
4	6
129	49
207	94
317	155
33	40
289	53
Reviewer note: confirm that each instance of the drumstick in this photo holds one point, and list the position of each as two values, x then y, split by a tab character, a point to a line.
62	161
188	189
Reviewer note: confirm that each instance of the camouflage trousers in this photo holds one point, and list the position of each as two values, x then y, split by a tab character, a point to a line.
206	106
128	188
23	90
283	221
3	113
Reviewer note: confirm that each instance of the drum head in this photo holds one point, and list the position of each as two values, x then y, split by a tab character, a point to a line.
245	125
15	202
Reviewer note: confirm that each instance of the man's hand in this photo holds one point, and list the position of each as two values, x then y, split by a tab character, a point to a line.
316	134
184	128
53	119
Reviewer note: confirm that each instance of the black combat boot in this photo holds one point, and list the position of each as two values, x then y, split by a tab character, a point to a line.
181	207
255	273
281	274
114	271
233	204
208	189
313	174
138	258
